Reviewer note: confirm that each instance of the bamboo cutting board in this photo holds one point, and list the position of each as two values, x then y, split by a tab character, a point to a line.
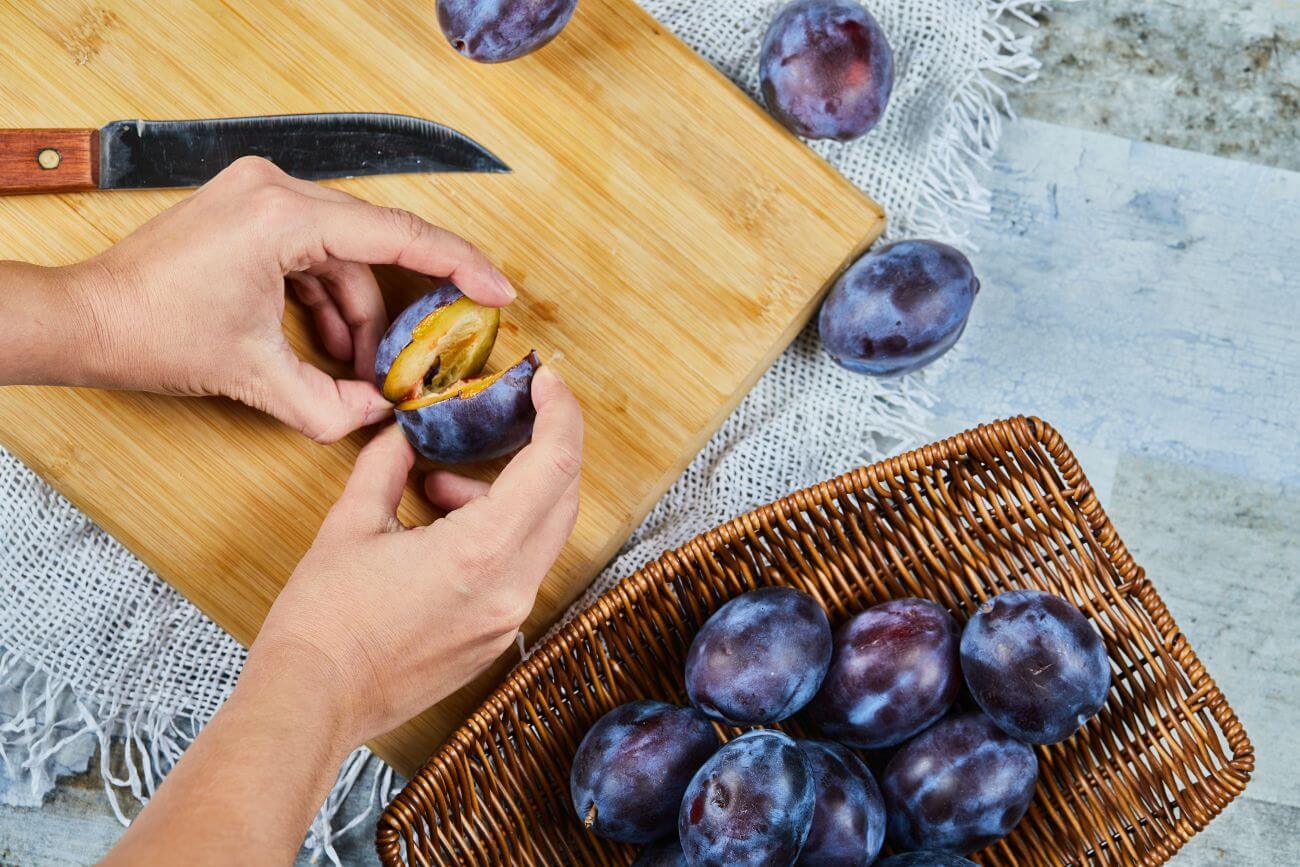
668	240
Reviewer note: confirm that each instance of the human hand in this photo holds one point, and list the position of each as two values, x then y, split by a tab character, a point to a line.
388	619
191	303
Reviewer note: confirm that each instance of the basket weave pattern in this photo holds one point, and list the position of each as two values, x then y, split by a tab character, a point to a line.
996	508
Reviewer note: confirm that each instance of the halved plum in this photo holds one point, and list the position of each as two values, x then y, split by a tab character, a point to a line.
429	364
476	419
439	340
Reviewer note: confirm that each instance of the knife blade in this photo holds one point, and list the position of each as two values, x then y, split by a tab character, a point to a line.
138	154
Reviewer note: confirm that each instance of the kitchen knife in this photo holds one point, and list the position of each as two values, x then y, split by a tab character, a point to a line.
137	154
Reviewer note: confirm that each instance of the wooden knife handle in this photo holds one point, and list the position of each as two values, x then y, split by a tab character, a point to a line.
48	160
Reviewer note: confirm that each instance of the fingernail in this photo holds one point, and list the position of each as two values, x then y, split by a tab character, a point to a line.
504	285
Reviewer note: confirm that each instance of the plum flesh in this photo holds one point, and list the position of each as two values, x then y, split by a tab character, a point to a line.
1035	665
750	804
494	31
894	671
633	765
958	787
442	338
760	657
898	309
826	69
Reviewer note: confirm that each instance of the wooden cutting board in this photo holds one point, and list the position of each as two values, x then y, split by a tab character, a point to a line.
668	240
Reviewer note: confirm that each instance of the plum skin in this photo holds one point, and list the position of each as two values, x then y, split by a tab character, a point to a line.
750	804
894	671
959	786
826	69
1035	665
494	31
666	853
634	764
760	658
926	859
899	308
848	826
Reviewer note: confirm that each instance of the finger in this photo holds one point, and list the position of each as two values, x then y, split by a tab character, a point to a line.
333	331
450	491
535	480
353	288
360	232
311	401
378	478
315	190
545	542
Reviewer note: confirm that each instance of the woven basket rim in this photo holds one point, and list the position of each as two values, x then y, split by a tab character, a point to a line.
1024	430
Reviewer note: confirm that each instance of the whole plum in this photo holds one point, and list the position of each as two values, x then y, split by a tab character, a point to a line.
848	826
898	309
666	853
926	859
751	804
760	657
894	671
1035	665
958	786
633	765
826	69
493	31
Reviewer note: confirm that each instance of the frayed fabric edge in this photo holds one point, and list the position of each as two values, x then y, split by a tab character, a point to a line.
137	747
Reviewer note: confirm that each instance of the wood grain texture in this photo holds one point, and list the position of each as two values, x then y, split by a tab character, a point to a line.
669	240
26	166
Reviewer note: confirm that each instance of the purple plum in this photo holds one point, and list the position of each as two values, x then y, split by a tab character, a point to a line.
958	787
848	826
1035	665
666	853
760	657
899	308
633	766
926	859
751	804
494	31
894	671
825	69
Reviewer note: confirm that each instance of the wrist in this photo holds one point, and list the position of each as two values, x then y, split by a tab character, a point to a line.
290	682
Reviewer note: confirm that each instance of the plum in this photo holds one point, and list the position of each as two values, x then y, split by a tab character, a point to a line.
760	657
750	804
848	826
494	31
633	765
666	853
926	859
1035	665
825	69
429	362
958	787
898	309
894	671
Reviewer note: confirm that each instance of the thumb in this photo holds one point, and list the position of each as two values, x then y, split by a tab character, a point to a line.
378	478
314	403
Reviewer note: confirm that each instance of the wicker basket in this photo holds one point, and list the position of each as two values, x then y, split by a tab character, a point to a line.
995	508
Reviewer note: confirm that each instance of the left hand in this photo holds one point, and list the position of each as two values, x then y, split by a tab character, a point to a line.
191	303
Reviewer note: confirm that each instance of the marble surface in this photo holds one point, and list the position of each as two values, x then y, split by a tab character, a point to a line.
1214	76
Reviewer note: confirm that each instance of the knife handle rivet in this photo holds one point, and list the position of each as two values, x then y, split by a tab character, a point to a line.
49	158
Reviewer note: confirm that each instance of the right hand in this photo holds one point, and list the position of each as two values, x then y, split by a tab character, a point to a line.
388	619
